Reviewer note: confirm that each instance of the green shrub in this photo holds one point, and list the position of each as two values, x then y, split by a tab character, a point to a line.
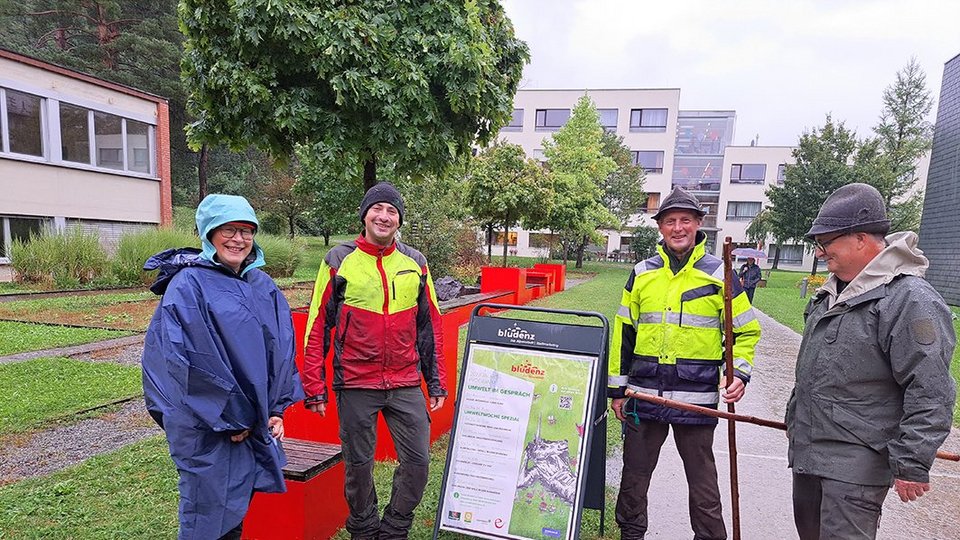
282	254
65	261
135	248
185	219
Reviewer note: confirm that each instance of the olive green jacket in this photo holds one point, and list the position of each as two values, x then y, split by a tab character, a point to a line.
874	397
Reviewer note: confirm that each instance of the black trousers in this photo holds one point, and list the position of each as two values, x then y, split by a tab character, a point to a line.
641	451
825	508
405	410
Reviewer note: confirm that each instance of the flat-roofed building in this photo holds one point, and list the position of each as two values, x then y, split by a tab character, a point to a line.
78	151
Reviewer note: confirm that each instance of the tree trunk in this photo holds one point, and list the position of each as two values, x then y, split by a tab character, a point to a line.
369	173
816	263
580	249
291	219
776	257
489	243
202	170
326	238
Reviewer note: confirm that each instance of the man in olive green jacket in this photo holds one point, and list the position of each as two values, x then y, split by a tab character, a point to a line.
874	397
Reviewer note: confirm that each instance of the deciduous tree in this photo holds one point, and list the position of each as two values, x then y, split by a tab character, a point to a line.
506	187
822	164
580	169
413	84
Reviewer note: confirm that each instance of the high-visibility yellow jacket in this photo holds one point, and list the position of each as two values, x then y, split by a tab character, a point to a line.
378	310
668	338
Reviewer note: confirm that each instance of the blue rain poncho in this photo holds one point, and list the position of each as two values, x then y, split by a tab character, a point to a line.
219	359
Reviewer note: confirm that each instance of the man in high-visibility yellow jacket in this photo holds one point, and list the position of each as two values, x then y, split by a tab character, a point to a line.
668	341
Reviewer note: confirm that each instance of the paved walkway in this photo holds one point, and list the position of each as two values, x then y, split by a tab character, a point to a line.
766	510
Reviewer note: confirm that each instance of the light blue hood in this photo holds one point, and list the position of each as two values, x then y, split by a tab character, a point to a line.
215	210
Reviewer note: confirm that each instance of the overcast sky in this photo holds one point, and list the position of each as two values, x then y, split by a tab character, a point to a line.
782	65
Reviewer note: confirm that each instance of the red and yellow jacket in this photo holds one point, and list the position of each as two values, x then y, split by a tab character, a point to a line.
378	308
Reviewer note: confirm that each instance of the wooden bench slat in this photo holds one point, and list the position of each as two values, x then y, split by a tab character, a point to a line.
307	459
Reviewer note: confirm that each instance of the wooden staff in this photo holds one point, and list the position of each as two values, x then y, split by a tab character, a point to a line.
728	360
949	456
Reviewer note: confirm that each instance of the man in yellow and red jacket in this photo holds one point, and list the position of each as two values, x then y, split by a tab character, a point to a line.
668	342
375	304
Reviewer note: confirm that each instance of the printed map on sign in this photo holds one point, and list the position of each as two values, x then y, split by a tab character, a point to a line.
519	442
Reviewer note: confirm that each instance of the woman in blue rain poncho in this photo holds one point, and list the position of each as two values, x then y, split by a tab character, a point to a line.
218	369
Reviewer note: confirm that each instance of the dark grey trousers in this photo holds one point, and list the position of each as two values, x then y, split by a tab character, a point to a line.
825	508
641	451
405	411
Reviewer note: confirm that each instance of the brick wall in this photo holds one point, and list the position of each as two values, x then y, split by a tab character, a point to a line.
940	225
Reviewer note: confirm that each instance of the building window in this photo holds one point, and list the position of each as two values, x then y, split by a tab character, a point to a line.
108	137
75	133
511	238
22	123
650	160
138	146
791	254
551	119
543	240
17	228
781	173
653	203
648	120
748	173
742	210
608	119
516	121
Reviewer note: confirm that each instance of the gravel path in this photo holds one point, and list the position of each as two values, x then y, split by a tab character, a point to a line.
766	510
43	452
77	350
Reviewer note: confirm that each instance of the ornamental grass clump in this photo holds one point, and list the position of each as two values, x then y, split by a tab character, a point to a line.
282	254
66	260
135	248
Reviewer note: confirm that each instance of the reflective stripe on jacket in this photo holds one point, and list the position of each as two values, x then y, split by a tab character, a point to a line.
668	338
378	309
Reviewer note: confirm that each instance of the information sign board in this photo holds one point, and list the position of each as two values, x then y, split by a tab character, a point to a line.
522	432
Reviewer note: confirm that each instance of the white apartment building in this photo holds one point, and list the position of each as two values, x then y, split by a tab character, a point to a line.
691	149
78	151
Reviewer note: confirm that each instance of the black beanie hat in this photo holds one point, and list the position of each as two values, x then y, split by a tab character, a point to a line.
382	192
852	208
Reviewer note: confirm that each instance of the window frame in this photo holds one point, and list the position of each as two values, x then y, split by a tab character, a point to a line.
639	127
616	118
51	136
739	204
510	126
739	168
635	159
545	127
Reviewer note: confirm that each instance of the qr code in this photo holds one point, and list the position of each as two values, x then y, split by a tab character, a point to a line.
566	402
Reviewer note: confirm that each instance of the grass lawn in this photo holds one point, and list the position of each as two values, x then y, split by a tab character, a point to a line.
781	300
16	337
130	493
37	392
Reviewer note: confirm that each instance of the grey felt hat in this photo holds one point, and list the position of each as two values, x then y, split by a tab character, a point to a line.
852	208
679	199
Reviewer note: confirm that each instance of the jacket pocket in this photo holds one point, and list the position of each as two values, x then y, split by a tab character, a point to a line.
862	428
703	373
404	290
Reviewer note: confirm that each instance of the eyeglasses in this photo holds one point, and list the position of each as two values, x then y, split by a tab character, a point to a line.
822	245
229	231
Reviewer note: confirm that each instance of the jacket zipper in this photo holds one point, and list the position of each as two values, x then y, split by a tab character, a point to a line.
386	313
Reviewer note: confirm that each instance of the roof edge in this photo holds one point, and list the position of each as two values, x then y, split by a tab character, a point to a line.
80	76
